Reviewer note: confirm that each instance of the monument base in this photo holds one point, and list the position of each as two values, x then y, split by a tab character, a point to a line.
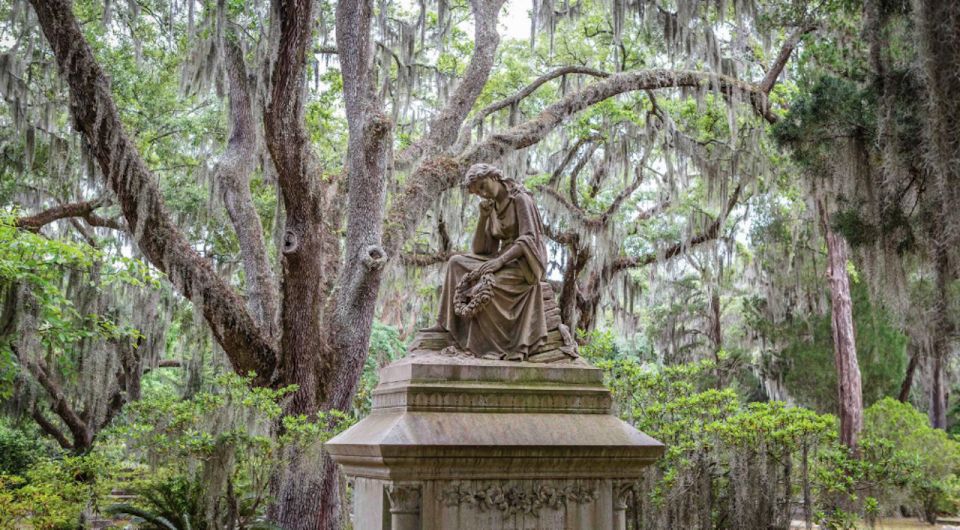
458	443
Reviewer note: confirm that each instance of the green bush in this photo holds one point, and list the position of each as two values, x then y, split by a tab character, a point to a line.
212	456
930	457
726	464
18	449
810	376
53	494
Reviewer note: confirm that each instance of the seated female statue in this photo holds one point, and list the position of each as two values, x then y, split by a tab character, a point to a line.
492	302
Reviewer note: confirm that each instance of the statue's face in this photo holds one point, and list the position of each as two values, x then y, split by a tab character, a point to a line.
486	187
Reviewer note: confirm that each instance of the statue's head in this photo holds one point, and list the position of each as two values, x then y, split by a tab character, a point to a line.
483	180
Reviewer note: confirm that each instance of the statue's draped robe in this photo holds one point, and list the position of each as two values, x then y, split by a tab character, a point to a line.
512	324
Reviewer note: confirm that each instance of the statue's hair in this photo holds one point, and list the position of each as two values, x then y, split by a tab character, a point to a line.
481	171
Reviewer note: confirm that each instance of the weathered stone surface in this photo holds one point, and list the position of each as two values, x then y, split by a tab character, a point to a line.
490	444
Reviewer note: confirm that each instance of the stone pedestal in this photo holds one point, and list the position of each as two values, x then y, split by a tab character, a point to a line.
455	443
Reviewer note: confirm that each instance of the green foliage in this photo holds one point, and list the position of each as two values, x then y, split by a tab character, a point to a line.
224	439
19	449
773	424
766	453
809	374
900	462
713	443
179	503
53	493
832	107
168	504
41	267
931	455
598	345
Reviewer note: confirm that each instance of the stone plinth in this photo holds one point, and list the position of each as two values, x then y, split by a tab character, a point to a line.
455	443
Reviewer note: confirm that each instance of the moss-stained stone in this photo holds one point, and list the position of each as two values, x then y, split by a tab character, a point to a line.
491	444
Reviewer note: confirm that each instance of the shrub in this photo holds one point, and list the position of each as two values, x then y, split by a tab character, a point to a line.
930	457
217	450
54	494
18	449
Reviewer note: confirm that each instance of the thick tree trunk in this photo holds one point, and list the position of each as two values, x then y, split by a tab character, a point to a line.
850	398
567	300
309	260
938	26
938	394
588	303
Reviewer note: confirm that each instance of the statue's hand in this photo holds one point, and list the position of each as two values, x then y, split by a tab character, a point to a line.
486	205
489	267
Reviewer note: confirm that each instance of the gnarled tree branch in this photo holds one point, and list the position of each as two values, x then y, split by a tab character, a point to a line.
164	245
83	210
49	428
558	172
535	129
442	131
464	138
770	79
711	233
232	175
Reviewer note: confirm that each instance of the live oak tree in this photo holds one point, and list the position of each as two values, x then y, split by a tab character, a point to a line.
309	322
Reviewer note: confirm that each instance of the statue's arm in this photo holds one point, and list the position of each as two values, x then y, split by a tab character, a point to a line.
484	244
512	252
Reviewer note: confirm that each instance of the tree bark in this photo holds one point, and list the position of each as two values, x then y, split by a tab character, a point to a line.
232	175
125	172
83	210
309	260
941	341
907	384
443	129
849	394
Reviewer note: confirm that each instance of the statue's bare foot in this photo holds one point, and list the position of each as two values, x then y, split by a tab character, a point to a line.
436	328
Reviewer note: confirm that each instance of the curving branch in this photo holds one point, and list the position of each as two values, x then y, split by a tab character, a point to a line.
83	210
575	172
558	172
621	197
563	238
138	194
232	174
536	129
49	428
598	222
711	233
464	137
82	435
770	79
442	131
